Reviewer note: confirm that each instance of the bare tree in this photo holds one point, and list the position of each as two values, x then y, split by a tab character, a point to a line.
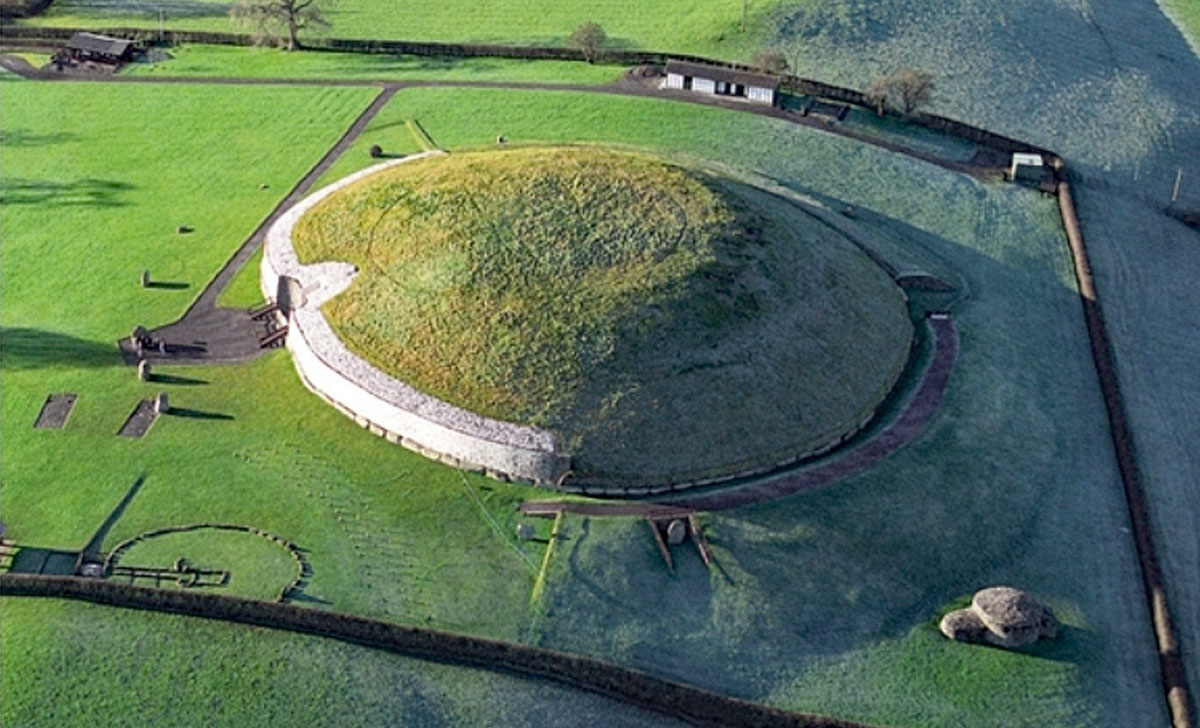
279	21
905	90
588	38
770	60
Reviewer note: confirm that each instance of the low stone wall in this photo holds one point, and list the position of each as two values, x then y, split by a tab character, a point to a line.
384	405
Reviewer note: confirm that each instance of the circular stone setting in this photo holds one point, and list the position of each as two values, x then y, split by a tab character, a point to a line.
668	324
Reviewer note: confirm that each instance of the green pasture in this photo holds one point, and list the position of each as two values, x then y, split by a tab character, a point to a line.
78	664
99	198
692	26
214	60
821	602
1113	86
258	430
646	313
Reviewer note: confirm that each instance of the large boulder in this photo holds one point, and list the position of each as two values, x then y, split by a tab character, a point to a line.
1002	616
963	625
1012	617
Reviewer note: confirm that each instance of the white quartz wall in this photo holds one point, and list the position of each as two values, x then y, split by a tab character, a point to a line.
385	405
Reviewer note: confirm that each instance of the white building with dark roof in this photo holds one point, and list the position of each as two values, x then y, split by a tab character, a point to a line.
702	78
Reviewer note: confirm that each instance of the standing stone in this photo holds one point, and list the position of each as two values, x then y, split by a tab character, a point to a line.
524	531
143	370
144	279
676	532
161	405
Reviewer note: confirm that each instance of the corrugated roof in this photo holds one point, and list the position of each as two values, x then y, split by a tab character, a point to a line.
719	73
94	43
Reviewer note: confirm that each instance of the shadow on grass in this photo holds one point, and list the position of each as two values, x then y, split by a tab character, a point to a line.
79	193
35	560
97	540
168	285
302	597
172	379
198	414
28	348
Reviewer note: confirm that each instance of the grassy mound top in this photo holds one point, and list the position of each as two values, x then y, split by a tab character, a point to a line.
666	322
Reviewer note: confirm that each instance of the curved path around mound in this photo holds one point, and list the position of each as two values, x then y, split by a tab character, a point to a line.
905	429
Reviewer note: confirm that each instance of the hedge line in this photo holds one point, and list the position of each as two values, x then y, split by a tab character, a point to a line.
797	84
686	702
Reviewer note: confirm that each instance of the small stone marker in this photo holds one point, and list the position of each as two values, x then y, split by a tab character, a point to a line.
161	405
524	531
676	532
500	139
184	229
144	279
143	370
264	186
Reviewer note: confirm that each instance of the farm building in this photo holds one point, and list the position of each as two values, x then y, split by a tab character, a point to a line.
90	47
705	79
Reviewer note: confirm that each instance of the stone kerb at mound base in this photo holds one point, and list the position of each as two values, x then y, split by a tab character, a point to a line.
384	405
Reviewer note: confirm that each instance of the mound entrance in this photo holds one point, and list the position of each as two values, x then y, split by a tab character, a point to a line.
667	323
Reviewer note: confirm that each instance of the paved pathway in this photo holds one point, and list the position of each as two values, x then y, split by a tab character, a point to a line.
905	429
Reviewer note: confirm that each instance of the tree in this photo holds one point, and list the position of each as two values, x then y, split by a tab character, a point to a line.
770	60
904	90
588	38
279	21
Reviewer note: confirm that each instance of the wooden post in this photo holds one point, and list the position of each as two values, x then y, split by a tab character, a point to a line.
662	546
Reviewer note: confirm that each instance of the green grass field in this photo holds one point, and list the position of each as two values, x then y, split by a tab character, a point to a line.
627	304
60	338
694	26
822	602
72	663
209	60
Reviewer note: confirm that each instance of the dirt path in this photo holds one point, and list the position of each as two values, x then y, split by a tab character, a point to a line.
905	429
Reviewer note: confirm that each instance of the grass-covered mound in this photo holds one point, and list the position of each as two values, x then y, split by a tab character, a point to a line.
668	323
